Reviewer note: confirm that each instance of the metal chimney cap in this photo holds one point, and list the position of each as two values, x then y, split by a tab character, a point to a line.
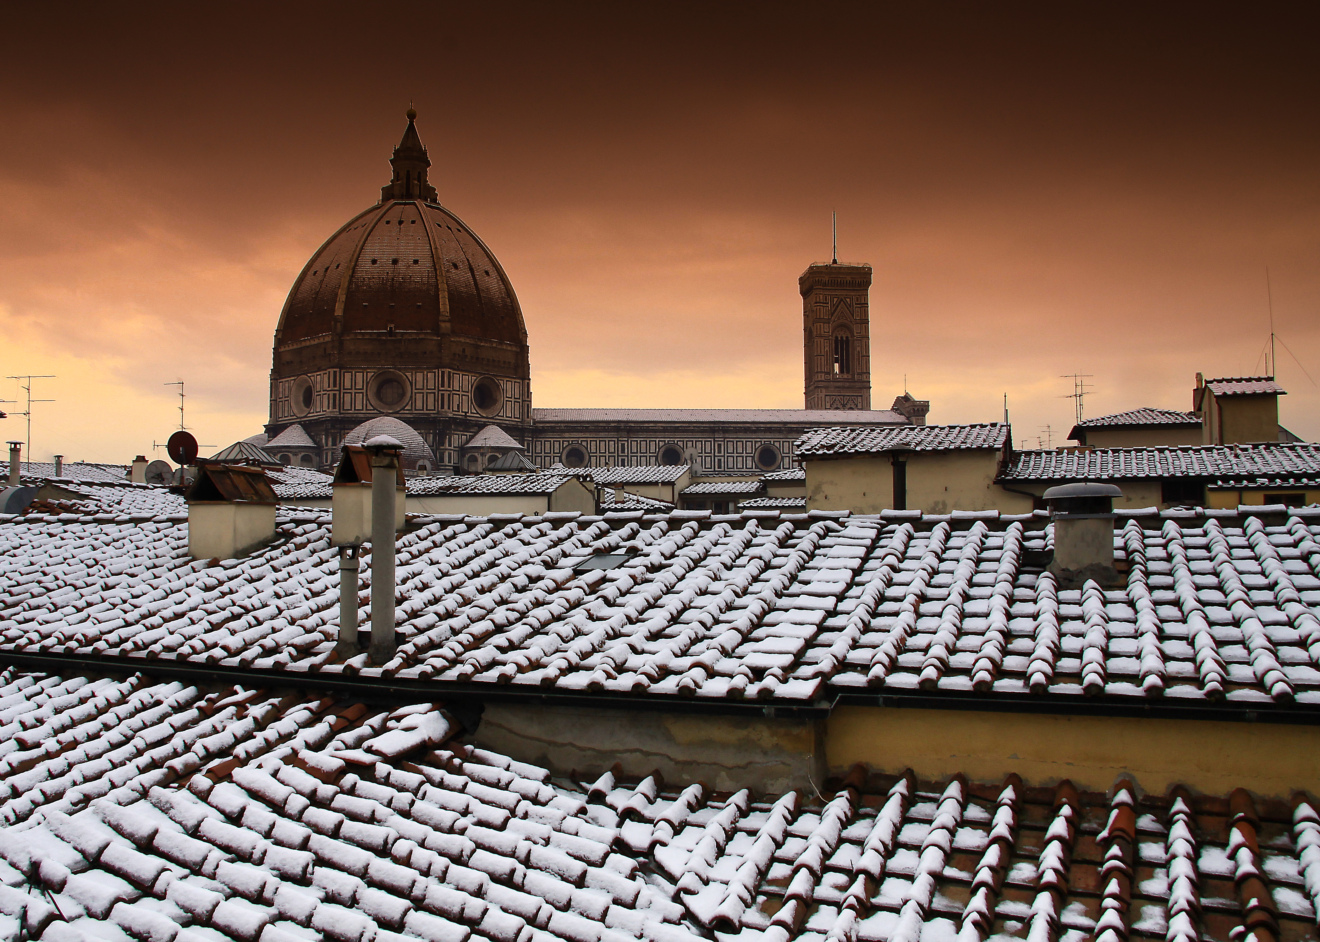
1081	489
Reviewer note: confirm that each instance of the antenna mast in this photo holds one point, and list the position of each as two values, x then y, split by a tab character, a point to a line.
1080	389
1269	295
178	383
834	221
28	413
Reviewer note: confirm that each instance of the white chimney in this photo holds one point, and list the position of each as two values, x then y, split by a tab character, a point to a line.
385	453
59	466
1083	516
137	471
351	501
15	463
231	511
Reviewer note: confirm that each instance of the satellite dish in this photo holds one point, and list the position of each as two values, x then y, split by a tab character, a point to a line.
160	472
182	448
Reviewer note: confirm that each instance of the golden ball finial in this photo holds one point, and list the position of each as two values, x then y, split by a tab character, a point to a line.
412	113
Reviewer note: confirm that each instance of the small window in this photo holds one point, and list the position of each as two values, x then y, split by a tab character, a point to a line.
414	261
1288	499
394	261
1179	491
602	561
373	261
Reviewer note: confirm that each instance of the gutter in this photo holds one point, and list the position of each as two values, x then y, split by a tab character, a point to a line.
396	690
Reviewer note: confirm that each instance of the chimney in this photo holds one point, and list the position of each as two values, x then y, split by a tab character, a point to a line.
350	500
137	471
59	466
231	511
385	454
15	463
1083	516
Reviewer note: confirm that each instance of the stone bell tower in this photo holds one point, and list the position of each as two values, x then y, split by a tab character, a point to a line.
836	335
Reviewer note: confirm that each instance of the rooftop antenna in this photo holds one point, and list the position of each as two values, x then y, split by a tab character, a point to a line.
1048	440
1080	388
834	219
27	414
178	383
1005	408
1271	366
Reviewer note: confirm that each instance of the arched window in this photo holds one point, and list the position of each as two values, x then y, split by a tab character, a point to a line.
842	355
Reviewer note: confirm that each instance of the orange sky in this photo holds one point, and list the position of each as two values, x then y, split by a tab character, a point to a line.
1098	190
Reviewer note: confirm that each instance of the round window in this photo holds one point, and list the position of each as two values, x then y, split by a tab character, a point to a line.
671	455
486	396
389	391
575	457
302	396
767	457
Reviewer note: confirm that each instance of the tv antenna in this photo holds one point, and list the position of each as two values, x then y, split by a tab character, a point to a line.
834	222
1080	388
1046	440
27	414
179	383
1268	351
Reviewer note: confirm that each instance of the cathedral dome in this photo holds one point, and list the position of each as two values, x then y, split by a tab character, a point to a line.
406	267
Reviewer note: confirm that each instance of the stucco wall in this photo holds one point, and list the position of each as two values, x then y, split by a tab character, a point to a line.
1136	494
941	481
1092	751
1229	500
725	752
574	496
1241	419
1120	437
863	484
223	530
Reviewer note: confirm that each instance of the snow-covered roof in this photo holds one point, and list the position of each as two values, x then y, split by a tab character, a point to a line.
716	488
150	810
1245	386
823	442
785	474
491	484
492	436
245	452
258	439
773	503
802	417
293	483
1142	417
1214	605
31	472
121	497
1282	459
612	500
295	436
641	474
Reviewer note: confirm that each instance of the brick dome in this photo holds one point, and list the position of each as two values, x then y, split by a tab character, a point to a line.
406	264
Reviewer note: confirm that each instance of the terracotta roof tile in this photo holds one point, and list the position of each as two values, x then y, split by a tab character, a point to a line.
822	442
1244	386
1142	417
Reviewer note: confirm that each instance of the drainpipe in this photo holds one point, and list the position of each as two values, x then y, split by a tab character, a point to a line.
15	462
348	601
385	453
59	466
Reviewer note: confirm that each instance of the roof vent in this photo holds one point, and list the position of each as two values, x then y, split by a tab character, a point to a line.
1083	516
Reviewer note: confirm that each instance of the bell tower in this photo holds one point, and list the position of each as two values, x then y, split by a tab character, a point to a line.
836	335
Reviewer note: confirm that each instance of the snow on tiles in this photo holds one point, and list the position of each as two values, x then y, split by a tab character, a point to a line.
157	811
1214	607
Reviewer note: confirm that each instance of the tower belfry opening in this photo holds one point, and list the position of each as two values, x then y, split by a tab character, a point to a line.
836	325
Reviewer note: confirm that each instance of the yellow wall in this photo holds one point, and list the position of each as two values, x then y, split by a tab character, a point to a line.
863	484
572	495
665	491
1241	419
1136	494
1230	500
937	482
1092	751
941	481
1121	437
226	530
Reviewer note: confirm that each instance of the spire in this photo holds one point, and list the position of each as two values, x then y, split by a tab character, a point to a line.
410	164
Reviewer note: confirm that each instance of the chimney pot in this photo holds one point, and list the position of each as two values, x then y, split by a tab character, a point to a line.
1083	516
59	466
384	453
15	463
137	471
